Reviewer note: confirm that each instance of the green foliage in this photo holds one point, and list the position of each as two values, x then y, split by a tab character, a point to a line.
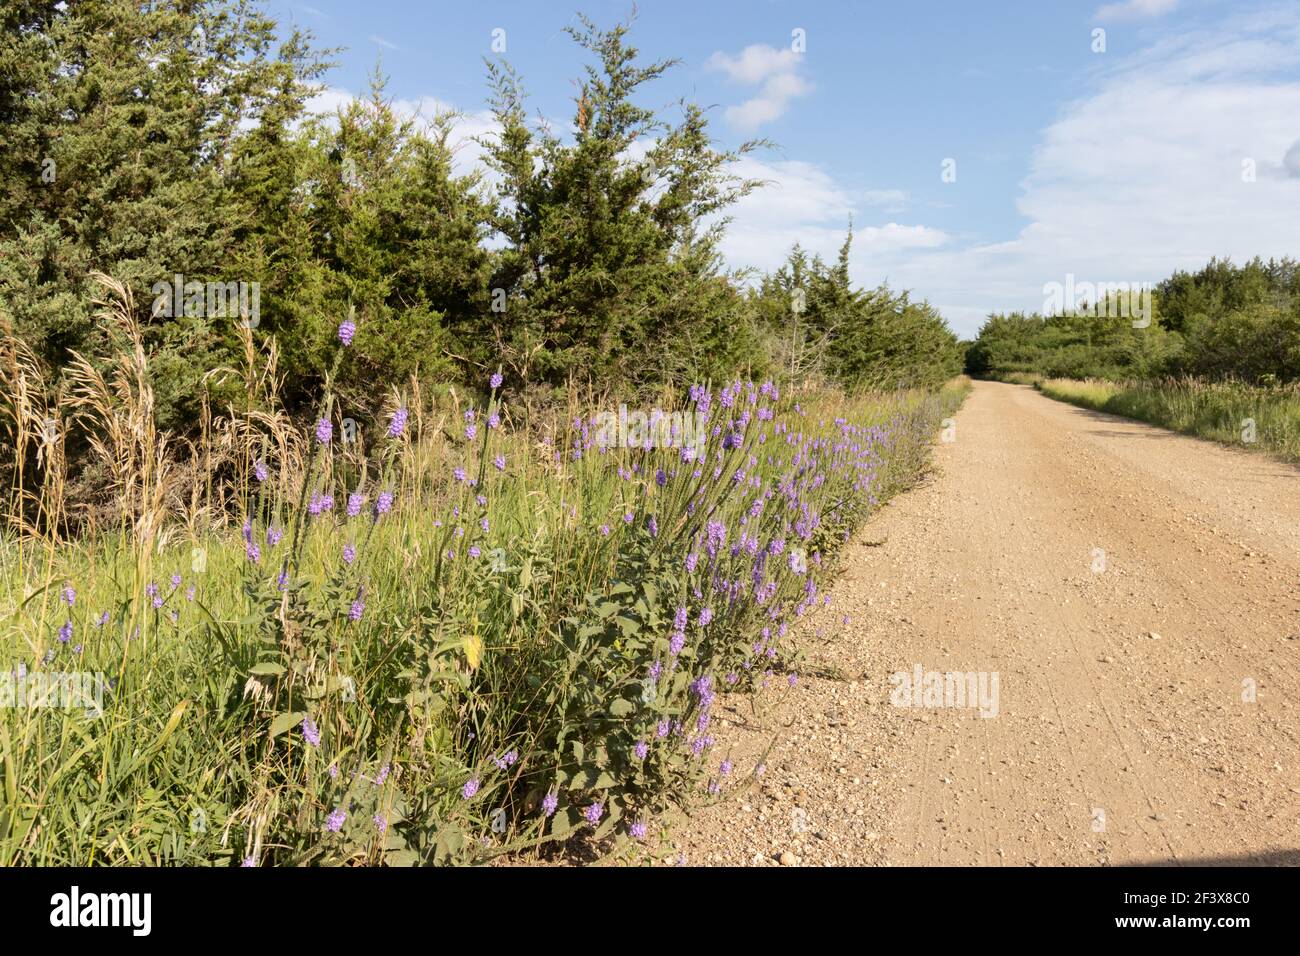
1223	322
608	270
1265	418
816	324
118	124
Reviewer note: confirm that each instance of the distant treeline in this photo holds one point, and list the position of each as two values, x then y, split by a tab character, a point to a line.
172	143
1220	323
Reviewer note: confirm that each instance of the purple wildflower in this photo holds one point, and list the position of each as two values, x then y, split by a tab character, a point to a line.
471	787
347	329
310	732
349	554
334	822
593	813
384	503
637	830
397	424
259	470
496	380
642	749
506	760
549	803
65	632
324	431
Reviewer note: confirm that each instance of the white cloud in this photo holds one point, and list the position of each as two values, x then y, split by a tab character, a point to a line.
802	203
1135	9
1145	175
389	44
776	72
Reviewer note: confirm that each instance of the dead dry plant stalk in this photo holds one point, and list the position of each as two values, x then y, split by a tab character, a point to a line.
116	408
31	422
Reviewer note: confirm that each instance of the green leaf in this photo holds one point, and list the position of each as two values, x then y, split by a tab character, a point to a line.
268	669
621	707
284	721
564	821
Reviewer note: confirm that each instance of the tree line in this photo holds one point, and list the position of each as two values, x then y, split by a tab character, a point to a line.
1221	322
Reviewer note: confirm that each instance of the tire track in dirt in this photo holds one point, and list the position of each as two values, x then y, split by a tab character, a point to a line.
1124	731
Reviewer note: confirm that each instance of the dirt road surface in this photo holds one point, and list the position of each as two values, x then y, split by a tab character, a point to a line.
1137	594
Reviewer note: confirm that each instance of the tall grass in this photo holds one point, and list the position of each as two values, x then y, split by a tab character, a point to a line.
1231	412
443	639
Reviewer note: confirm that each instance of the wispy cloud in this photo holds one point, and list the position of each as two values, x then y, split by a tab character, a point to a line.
1186	150
384	43
1136	9
803	203
777	73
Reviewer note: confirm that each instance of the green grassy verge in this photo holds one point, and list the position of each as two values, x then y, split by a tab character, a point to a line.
1264	419
508	637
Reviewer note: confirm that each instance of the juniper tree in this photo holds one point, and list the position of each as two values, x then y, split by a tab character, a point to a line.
610	264
119	120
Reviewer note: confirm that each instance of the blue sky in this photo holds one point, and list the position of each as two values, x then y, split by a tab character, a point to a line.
1114	165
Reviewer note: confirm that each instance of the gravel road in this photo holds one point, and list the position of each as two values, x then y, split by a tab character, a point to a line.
1135	593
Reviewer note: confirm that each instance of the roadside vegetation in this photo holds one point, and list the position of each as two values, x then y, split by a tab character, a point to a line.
360	508
1252	417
